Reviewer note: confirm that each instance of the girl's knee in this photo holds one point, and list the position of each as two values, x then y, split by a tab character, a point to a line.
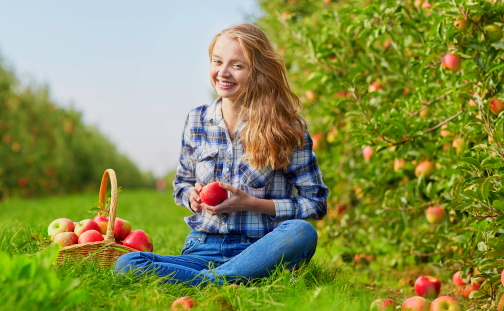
302	229
131	261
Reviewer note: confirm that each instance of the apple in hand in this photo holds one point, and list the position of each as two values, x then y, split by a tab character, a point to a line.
139	240
102	222
435	214
212	194
383	304
445	303
90	236
121	228
85	225
59	225
66	238
416	303
427	287
183	303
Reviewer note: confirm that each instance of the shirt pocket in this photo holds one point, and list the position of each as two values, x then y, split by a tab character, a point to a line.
256	182
206	160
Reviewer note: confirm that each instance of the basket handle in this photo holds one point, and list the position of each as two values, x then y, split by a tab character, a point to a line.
109	173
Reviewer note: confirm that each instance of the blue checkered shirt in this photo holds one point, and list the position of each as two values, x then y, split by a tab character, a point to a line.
208	154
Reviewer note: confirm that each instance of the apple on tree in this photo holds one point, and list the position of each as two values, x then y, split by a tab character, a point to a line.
445	303
139	240
212	194
183	303
493	32
496	106
59	225
435	214
427	286
451	62
367	152
424	169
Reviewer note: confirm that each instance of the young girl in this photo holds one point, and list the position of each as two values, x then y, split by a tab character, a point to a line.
253	142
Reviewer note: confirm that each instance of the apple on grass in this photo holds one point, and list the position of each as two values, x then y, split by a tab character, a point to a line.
500	306
212	194
427	286
183	303
85	225
471	288
139	240
383	304
90	236
66	238
60	225
445	303
457	280
415	303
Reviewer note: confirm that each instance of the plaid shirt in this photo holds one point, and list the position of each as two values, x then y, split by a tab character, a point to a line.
209	154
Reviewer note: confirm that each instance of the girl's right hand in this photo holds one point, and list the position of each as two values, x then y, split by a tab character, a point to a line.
194	198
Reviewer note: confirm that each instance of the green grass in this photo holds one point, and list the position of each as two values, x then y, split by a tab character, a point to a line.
90	287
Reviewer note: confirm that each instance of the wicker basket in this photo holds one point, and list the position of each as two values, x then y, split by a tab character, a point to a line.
107	251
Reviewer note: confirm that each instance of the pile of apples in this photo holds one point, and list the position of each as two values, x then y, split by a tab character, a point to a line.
65	232
427	289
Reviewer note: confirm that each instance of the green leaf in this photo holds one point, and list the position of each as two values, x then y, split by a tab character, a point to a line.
472	161
485	188
495	68
482	247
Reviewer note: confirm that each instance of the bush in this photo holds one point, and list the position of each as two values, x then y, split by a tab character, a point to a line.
371	73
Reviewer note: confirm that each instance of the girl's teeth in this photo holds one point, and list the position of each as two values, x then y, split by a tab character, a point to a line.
226	84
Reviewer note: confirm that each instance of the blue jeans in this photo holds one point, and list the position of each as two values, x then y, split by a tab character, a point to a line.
234	258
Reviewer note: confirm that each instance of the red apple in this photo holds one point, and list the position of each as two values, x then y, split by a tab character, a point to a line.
383	304
451	62
85	225
212	194
66	238
502	277
367	152
496	106
471	288
89	236
457	280
316	140
59	225
310	95
102	222
183	303
139	240
415	303
424	169
427	287
435	214
445	303
121	228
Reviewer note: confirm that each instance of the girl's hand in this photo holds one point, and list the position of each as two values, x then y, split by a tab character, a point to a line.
194	198
238	202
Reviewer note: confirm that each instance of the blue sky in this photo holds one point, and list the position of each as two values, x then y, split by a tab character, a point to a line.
133	68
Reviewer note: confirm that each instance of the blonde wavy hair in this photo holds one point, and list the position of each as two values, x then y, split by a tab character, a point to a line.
273	128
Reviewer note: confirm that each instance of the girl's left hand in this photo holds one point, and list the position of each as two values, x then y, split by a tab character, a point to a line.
238	202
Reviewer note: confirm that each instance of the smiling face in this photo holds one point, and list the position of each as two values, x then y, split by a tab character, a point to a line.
228	70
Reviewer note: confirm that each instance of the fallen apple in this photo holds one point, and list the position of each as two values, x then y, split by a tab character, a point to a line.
445	303
427	286
471	288
383	304
183	303
415	303
457	280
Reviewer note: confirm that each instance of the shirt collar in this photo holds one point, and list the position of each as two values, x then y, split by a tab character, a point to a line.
213	112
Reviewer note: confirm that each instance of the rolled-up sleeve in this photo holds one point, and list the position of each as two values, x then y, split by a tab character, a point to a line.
185	177
303	173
